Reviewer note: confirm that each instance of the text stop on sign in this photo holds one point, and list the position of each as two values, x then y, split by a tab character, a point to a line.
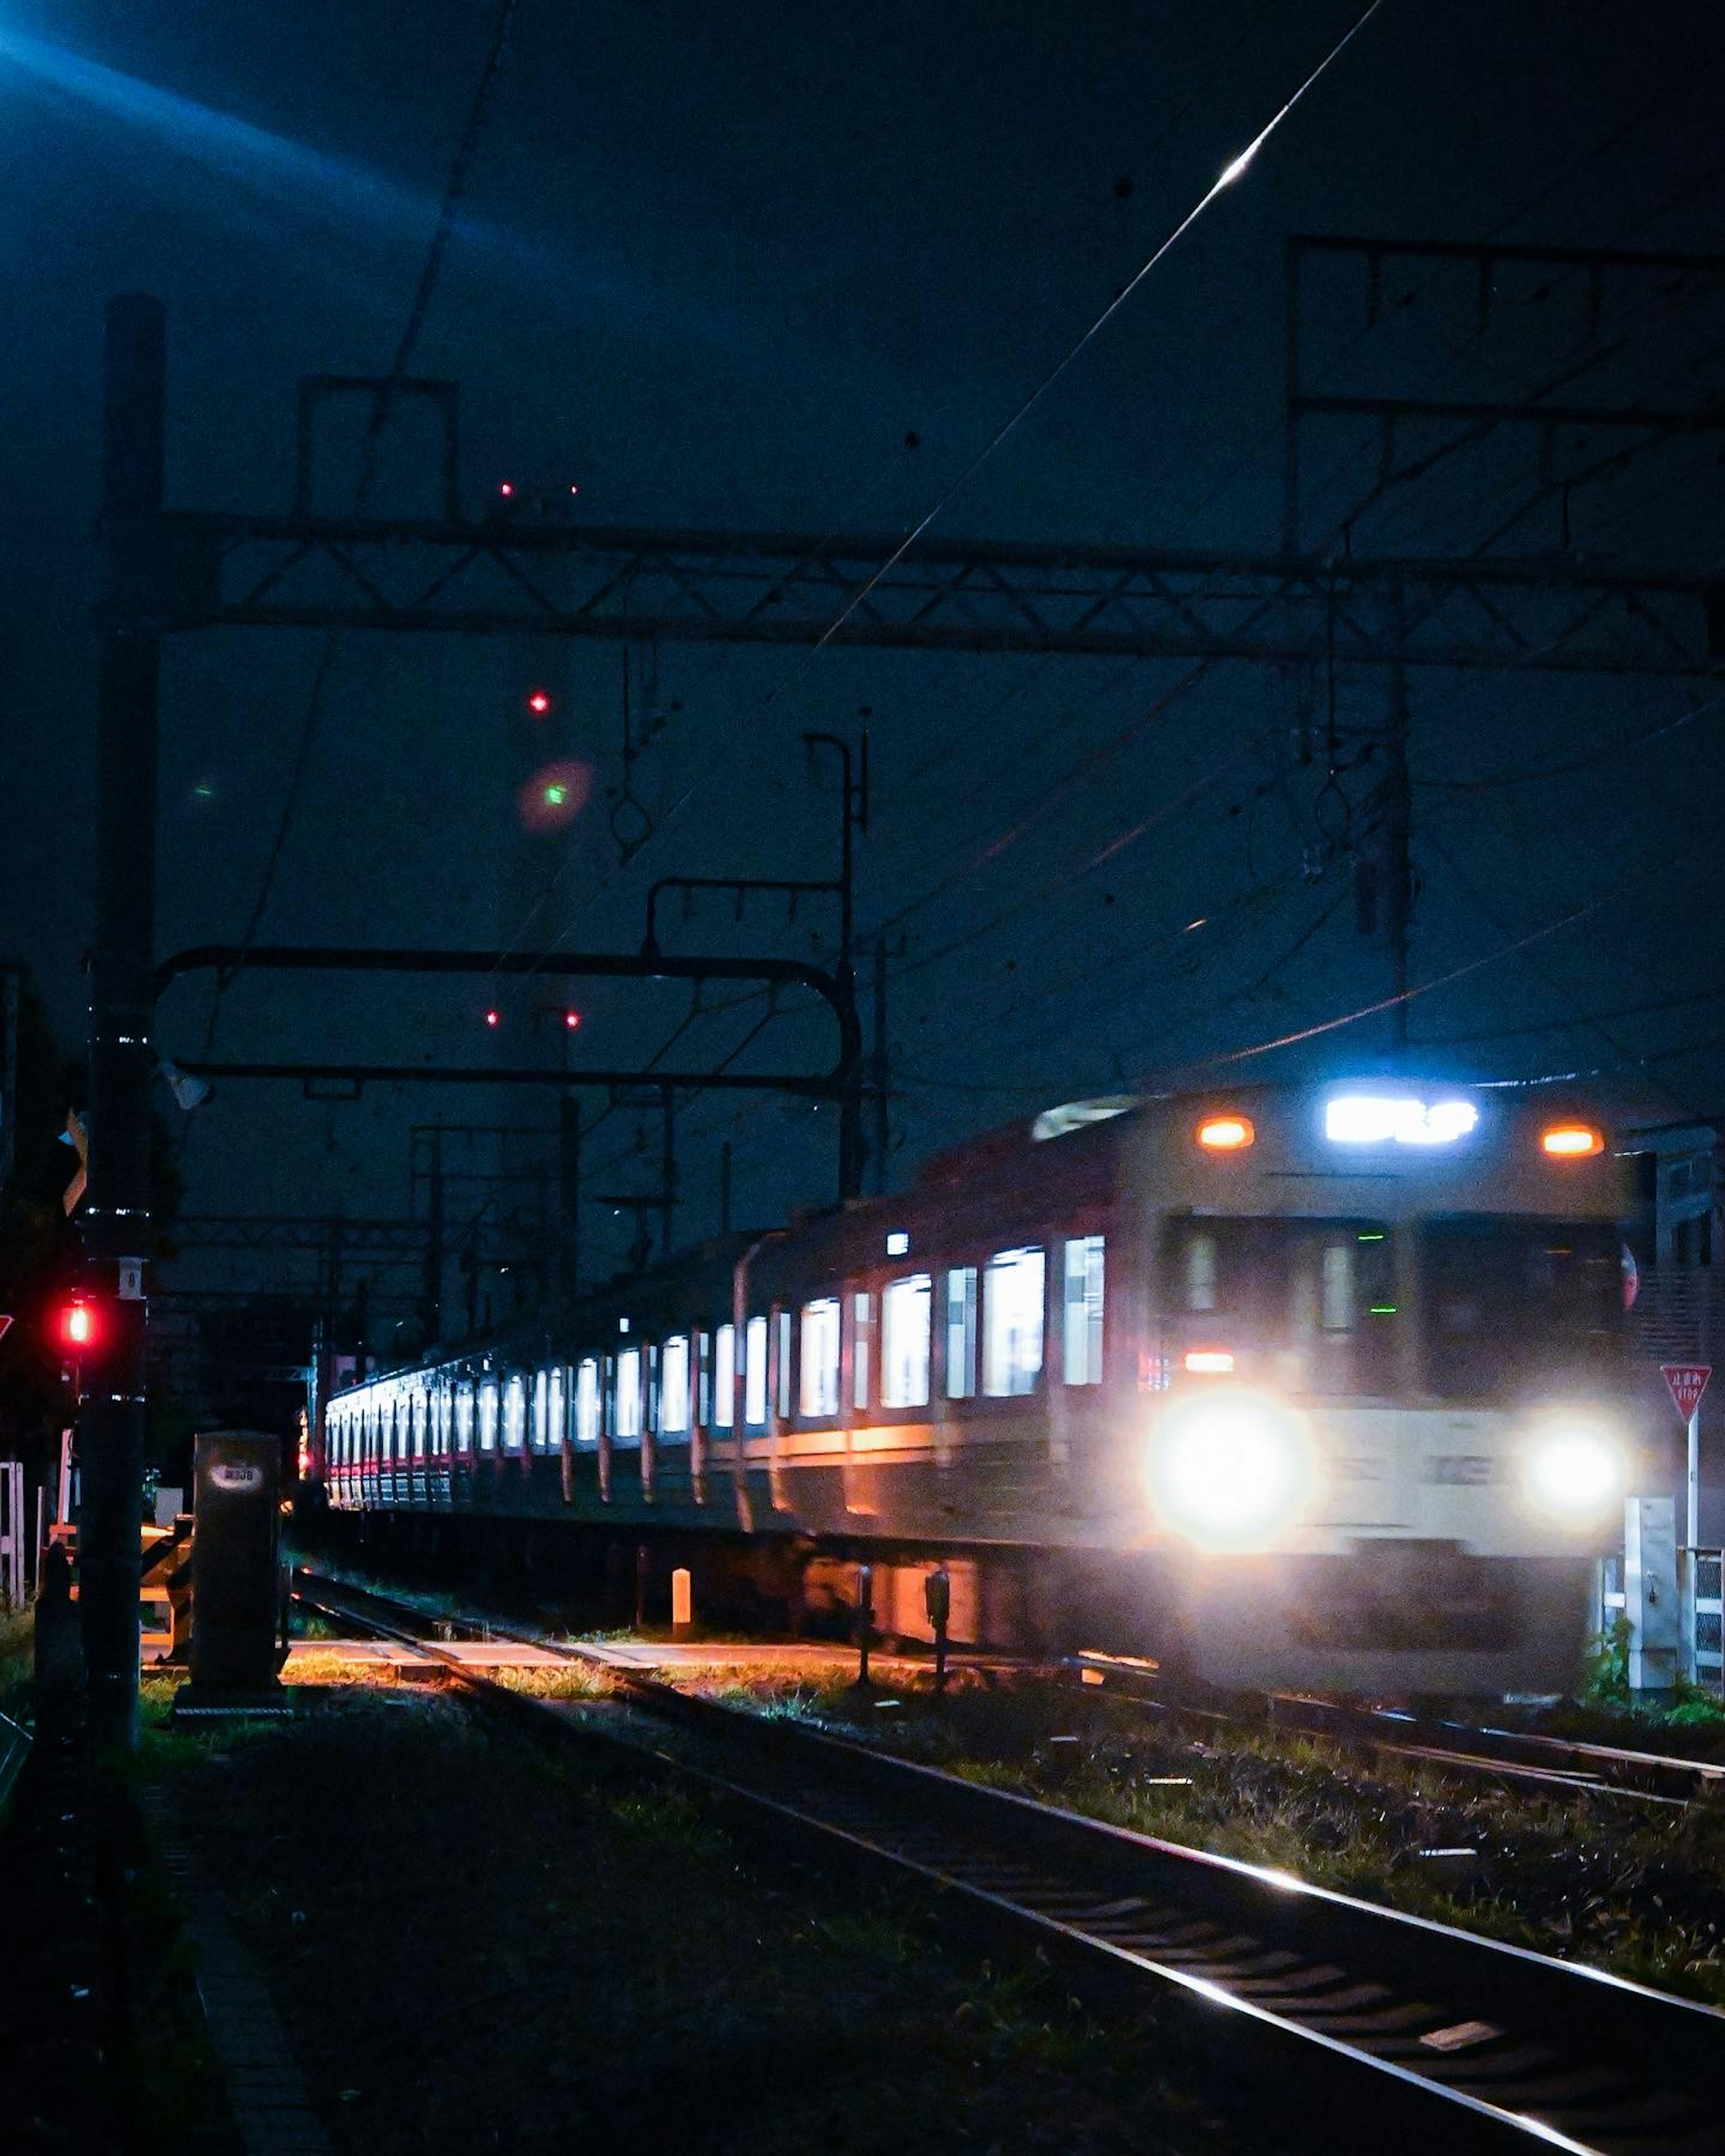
1687	1382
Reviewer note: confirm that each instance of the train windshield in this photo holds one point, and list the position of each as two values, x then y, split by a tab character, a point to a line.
1308	1305
1512	1303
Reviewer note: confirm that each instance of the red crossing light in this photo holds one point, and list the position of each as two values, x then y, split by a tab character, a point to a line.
78	1325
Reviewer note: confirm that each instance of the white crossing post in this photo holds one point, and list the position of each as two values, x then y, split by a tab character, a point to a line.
1650	1599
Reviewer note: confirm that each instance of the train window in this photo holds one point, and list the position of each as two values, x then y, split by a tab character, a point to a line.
961	1331
541	1411
587	1402
704	1379
724	1377
1012	1322
1310	1304
783	1387
514	1414
1200	1270
862	1309
904	1324
488	1415
556	1425
1510	1301
626	1429
1081	1342
464	1418
819	1365
422	1419
754	1374
674	1387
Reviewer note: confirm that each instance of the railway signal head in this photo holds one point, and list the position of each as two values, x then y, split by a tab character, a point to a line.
77	1326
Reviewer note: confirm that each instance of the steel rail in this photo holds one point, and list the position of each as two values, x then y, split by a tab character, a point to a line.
1440	2037
1552	1763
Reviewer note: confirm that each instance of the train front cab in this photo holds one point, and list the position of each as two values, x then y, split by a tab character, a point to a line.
1385	1436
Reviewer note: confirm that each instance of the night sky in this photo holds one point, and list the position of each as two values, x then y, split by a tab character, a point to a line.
791	267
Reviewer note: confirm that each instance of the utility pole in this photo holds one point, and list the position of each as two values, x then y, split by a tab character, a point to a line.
879	1083
9	1086
667	1171
432	1306
568	1264
121	1011
1397	795
328	1344
853	816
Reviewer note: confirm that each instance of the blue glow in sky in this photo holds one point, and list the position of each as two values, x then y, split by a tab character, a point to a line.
287	173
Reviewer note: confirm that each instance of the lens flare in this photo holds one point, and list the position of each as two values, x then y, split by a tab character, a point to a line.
554	796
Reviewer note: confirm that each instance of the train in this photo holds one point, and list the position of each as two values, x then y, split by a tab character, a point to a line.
1315	1385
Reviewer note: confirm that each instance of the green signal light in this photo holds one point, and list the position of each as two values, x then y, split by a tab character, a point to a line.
556	796
1368	1239
1383	1309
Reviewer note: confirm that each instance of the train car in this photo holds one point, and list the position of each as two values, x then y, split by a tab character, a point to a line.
1321	1386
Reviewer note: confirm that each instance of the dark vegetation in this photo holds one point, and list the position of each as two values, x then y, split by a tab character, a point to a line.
473	1948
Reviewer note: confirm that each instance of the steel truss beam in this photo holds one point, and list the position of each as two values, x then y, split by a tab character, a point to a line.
364	1241
184	570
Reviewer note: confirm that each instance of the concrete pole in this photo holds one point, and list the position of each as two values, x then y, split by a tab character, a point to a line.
116	1211
1692	1512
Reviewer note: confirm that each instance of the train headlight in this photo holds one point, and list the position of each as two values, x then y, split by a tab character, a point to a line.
1230	1470
1575	1468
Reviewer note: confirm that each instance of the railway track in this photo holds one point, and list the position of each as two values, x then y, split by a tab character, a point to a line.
1384	2029
1553	1765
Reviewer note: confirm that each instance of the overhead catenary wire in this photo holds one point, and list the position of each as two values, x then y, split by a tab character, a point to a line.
407	345
1567	919
1231	173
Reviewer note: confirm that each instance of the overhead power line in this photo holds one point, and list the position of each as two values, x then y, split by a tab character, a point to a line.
1224	179
1639	874
407	345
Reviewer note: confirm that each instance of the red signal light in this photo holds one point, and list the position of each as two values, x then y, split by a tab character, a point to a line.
538	703
77	1325
506	489
493	1017
572	1018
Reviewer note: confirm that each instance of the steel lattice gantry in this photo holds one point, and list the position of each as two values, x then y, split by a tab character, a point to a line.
178	570
363	1240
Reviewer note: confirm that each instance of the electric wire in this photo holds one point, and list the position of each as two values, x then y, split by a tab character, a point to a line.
407	345
1566	920
1230	174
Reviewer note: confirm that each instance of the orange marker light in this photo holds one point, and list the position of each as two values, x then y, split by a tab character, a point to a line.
1571	1140
1226	1133
1210	1362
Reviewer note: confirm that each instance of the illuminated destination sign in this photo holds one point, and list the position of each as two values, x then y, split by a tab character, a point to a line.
1397	1119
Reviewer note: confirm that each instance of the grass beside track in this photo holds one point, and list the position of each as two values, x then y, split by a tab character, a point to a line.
1637	1889
473	1946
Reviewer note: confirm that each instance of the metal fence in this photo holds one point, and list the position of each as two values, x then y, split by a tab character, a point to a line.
1700	1587
1703	1617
